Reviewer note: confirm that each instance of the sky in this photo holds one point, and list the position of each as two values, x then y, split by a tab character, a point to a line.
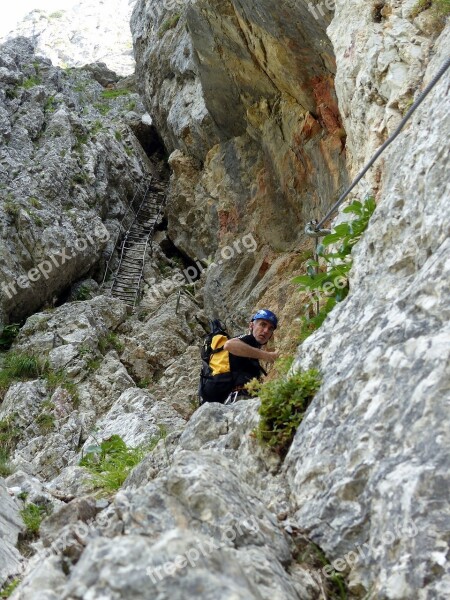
13	11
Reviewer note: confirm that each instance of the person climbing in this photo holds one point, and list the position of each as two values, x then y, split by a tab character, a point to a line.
228	364
246	352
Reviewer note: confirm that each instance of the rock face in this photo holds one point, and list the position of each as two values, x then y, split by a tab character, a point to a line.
252	105
86	32
10	526
243	94
369	464
69	165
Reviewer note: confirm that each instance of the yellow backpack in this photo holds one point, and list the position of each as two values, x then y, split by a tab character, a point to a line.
216	379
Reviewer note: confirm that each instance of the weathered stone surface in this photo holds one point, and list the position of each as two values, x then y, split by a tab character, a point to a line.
22	485
69	164
369	464
251	145
10	526
258	150
199	511
85	32
229	431
137	417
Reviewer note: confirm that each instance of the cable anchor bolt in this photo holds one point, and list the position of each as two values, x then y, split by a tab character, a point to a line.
312	231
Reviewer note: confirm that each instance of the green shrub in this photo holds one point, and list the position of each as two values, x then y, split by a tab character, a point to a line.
37	220
102	108
110	341
8	335
9	437
8	589
11	94
80	178
46	422
96	127
11	208
9	434
32	516
111	462
21	365
326	280
144	383
93	364
169	23
31	82
284	401
35	203
82	293
5	467
50	104
111	94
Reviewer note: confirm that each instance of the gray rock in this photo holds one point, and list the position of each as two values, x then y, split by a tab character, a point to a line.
64	167
10	526
86	32
199	523
369	464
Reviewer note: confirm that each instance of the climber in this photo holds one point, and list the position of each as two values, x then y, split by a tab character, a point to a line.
228	364
245	352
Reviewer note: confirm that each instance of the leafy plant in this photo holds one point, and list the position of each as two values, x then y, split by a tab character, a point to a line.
9	433
60	378
8	335
93	364
32	516
144	383
31	82
169	23
96	127
110	340
46	422
35	202
9	436
326	280
21	365
102	108
110	94
5	467
111	462
11	208
11	94
50	104
8	589
82	293
284	401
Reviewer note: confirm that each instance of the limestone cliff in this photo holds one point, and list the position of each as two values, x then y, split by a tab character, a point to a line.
266	109
69	165
243	94
84	33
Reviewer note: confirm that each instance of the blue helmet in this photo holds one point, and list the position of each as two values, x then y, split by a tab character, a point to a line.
268	315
